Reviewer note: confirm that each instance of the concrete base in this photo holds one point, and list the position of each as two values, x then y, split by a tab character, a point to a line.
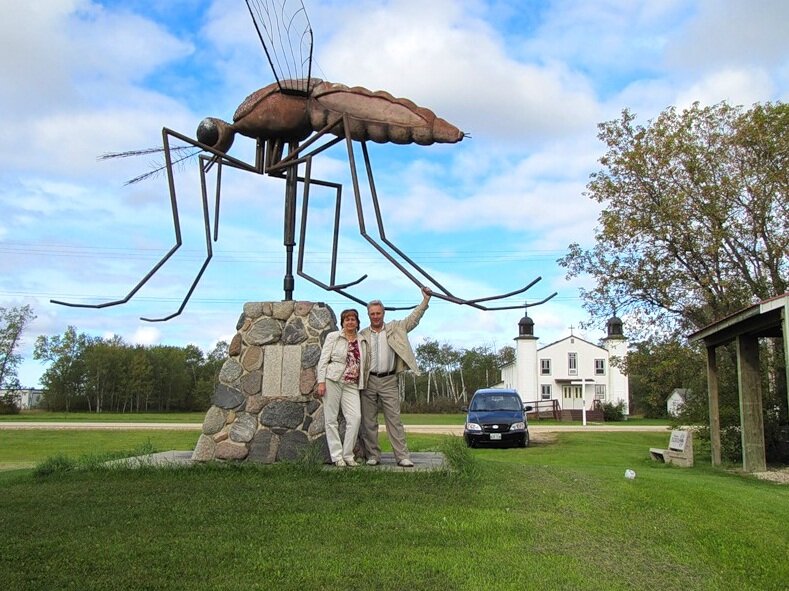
423	461
163	458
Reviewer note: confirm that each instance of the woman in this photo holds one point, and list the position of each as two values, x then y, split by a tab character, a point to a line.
342	371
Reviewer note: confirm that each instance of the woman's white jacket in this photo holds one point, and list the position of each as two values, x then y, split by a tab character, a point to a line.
334	354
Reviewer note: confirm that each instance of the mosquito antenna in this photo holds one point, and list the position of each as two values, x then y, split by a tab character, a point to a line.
284	30
160	168
142	152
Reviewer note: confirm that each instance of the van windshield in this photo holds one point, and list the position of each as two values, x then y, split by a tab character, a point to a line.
495	402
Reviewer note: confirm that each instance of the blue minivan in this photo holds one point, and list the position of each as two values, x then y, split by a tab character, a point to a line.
496	417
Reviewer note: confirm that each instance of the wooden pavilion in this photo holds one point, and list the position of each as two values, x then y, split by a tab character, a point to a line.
766	319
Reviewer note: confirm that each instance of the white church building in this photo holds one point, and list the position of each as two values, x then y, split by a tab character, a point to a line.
572	371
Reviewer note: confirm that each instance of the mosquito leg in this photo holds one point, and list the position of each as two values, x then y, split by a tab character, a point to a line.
542	301
360	209
205	164
166	257
380	223
366	236
308	181
446	295
216	199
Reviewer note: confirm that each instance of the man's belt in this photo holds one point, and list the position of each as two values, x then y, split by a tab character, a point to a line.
382	375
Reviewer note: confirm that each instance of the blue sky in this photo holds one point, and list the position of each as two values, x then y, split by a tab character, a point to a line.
529	81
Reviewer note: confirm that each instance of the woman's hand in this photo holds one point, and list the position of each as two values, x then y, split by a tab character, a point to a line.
321	389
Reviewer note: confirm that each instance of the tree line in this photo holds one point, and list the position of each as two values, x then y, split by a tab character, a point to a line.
450	375
109	375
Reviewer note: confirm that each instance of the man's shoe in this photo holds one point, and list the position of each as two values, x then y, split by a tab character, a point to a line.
340	463
405	463
372	462
351	463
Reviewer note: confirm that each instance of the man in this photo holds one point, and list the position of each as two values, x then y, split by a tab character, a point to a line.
391	354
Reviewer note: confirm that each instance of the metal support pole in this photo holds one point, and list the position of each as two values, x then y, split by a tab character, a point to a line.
291	180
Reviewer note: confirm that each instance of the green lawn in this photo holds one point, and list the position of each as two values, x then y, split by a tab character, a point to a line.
552	516
25	448
105	417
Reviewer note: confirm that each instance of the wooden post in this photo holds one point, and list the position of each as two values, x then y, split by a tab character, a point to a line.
751	420
714	409
785	334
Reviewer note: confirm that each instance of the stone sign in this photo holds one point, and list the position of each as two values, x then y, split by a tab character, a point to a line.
679	452
264	408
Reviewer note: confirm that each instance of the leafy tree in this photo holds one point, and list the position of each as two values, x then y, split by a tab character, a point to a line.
452	375
105	370
172	379
481	368
139	381
109	375
694	226
505	355
219	353
656	368
696	215
208	375
65	379
13	322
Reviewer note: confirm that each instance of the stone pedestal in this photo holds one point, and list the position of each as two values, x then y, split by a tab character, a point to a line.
264	407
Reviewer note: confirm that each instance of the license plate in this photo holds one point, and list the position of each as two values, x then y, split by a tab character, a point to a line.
495	435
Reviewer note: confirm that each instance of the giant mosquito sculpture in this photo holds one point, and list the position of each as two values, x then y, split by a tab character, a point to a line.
289	111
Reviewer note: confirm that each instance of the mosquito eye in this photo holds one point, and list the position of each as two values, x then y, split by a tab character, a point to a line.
208	132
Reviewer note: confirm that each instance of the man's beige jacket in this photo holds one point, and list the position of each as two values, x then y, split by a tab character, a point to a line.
397	338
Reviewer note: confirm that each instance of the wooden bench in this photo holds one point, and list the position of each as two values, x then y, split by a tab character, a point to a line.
679	452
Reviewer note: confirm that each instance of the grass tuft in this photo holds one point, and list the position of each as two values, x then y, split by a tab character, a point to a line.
91	462
312	460
459	457
54	465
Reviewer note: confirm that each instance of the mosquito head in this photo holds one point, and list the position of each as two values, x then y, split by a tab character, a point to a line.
215	133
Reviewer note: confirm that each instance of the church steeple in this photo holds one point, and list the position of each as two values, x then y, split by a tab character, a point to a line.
526	358
614	326
526	327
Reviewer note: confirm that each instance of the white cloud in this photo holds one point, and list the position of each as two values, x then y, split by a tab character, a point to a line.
727	33
736	86
458	66
47	46
146	336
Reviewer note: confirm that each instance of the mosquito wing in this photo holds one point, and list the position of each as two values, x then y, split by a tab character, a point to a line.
286	35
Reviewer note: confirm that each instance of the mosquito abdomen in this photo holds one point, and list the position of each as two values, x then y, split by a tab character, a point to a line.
378	116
